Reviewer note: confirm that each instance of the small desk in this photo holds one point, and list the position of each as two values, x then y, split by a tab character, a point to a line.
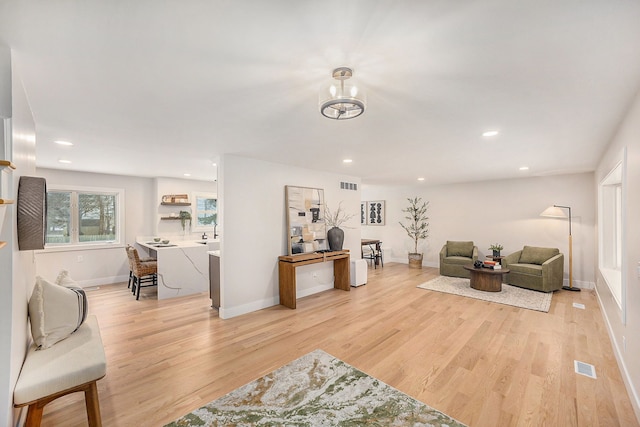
287	272
376	254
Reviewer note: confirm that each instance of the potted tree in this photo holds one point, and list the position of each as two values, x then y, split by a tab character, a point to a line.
417	227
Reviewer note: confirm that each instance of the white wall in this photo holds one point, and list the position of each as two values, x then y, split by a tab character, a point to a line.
173	228
252	209
504	211
627	136
17	267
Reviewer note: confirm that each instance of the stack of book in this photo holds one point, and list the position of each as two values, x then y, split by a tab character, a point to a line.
492	265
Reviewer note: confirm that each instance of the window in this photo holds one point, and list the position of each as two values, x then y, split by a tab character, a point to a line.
83	216
206	212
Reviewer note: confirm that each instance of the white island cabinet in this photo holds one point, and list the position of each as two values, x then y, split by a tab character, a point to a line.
183	265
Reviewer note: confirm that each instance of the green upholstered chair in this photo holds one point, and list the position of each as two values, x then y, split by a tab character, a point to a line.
540	269
454	255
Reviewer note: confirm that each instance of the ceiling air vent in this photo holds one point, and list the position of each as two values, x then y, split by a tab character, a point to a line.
348	186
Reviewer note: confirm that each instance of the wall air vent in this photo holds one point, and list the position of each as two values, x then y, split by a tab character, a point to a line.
348	186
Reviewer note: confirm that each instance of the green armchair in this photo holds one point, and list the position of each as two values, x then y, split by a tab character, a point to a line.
540	269
454	255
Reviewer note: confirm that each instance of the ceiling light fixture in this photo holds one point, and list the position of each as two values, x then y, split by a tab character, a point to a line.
490	133
187	174
343	100
524	168
67	143
64	161
347	161
421	179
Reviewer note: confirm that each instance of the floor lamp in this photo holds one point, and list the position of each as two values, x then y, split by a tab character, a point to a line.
556	211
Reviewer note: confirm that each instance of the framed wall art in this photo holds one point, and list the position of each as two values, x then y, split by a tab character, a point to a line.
306	228
363	213
375	212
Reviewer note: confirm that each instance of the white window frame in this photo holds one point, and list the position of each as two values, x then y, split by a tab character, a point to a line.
194	220
75	244
611	236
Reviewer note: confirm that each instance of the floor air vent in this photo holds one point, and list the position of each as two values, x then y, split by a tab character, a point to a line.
578	305
585	369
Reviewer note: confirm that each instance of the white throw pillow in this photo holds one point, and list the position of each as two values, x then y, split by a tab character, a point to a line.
56	311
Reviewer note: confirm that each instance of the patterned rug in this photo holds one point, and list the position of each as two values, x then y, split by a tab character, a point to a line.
316	390
510	295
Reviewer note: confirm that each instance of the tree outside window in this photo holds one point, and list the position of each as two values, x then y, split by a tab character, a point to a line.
82	217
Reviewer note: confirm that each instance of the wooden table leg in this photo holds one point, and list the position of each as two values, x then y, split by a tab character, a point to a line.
287	279
341	274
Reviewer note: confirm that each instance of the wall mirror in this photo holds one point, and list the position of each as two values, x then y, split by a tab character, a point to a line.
306	228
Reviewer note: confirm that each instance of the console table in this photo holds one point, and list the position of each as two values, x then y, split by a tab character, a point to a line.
287	271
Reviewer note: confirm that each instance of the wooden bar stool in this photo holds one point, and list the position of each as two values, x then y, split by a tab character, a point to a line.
142	272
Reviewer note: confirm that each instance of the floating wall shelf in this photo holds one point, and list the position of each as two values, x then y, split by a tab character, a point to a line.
175	204
6	201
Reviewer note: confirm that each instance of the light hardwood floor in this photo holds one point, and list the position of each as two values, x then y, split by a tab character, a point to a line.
484	364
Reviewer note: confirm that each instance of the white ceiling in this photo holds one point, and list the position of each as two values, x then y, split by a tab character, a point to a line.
156	88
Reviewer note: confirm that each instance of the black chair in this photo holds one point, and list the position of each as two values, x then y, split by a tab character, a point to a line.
374	253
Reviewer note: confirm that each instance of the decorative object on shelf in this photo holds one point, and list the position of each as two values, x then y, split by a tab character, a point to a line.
417	227
185	216
477	264
32	212
344	100
556	211
306	228
496	248
176	199
335	235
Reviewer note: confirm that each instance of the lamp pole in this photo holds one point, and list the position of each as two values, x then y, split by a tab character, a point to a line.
570	287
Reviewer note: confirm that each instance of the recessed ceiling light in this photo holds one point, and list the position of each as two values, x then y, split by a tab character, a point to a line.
524	168
187	174
64	161
67	143
347	161
214	164
421	179
490	133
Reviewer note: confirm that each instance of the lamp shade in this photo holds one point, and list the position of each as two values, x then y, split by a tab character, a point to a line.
554	212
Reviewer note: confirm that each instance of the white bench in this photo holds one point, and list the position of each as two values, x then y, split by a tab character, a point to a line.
73	364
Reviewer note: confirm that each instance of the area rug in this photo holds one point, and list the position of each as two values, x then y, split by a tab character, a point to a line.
510	295
316	390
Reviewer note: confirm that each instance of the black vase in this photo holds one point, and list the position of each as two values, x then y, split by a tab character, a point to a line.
335	236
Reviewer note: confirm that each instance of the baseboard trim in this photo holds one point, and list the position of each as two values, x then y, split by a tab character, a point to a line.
626	377
112	280
228	313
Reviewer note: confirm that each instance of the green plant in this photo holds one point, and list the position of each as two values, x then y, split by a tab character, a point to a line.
184	217
337	217
417	227
496	247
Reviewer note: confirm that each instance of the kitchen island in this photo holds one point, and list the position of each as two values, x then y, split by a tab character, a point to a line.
183	265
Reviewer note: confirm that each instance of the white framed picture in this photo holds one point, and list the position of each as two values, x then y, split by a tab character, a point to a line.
375	212
363	213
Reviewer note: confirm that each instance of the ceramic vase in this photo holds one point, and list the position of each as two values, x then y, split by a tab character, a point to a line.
335	236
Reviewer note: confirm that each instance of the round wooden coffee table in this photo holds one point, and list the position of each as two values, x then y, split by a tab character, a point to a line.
486	279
